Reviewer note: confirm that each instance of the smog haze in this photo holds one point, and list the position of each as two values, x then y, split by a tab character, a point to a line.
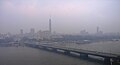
67	16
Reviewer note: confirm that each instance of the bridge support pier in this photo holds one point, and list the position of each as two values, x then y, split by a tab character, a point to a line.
43	47
82	55
119	60
67	52
54	49
36	46
40	47
116	62
32	46
107	61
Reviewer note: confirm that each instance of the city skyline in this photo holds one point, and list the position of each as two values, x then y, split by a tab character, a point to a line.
67	16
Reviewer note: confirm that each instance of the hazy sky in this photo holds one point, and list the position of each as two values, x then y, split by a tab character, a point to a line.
68	16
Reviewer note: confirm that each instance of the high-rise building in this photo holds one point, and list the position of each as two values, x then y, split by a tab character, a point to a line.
99	32
21	31
84	32
32	30
97	29
50	30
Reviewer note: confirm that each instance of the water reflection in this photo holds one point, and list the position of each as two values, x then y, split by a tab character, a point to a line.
31	56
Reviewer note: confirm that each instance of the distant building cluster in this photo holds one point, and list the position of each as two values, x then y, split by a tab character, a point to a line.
48	35
84	32
3	36
38	35
98	32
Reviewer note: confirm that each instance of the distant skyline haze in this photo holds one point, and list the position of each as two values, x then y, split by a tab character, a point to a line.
67	16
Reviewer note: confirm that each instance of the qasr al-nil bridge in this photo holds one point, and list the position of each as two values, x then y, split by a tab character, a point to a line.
109	59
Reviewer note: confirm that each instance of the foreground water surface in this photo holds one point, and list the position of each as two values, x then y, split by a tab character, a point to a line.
31	56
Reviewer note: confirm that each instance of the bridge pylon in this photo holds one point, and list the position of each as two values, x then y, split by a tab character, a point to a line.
107	61
82	55
66	52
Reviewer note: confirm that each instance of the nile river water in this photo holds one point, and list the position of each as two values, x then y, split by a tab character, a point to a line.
31	56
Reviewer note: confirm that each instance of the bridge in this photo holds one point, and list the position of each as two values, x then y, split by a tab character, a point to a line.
108	57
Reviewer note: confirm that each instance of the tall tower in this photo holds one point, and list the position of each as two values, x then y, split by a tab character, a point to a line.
97	29
50	25
32	30
21	31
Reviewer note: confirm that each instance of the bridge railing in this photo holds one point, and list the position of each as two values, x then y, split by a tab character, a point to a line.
107	56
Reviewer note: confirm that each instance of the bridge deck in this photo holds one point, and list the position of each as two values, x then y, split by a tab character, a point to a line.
83	53
95	53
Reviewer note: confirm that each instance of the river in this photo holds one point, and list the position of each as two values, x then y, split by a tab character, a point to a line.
31	56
